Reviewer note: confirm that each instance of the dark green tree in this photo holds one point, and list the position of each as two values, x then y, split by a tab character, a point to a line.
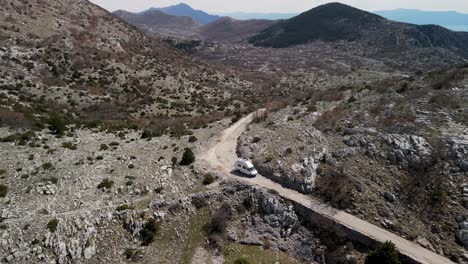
187	158
384	254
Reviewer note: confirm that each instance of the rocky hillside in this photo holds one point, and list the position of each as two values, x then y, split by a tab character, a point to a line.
337	22
393	152
158	23
95	68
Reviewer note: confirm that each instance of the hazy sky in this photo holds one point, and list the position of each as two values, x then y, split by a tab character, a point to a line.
284	6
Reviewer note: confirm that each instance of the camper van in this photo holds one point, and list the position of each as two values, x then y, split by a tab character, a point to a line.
246	167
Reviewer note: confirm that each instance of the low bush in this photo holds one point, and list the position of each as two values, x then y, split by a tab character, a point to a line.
51	179
192	139
106	183
103	147
385	254
208	179
47	166
57	124
3	190
149	231
123	207
52	225
219	220
241	261
199	202
69	145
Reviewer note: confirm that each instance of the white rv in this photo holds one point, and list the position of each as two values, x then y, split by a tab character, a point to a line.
246	167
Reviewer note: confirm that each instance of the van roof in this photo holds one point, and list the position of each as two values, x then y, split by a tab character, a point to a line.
249	164
245	162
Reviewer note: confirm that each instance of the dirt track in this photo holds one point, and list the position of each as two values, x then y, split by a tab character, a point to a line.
222	156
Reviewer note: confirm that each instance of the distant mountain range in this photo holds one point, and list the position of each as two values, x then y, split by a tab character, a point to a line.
185	10
450	19
158	23
225	29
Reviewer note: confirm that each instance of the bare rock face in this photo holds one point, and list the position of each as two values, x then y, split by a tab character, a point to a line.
408	148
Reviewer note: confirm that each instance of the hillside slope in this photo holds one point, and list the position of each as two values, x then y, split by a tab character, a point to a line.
91	63
337	22
161	24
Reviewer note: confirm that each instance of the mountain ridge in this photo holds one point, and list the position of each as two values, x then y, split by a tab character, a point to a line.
186	10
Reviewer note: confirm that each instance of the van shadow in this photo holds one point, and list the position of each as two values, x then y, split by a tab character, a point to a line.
240	174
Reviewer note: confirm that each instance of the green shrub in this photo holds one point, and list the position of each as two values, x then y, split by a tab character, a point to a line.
174	161
208	179
47	166
241	261
385	254
192	139
131	253
103	147
3	190
51	179
199	202
123	207
31	157
52	225
187	158
69	145
159	189
106	183
56	124
149	231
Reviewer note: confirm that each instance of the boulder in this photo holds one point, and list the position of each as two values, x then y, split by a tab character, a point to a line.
462	236
389	197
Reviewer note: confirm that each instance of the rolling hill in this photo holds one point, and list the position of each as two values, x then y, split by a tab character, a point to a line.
337	22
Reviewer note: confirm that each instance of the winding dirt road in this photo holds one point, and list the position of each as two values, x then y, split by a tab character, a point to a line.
222	156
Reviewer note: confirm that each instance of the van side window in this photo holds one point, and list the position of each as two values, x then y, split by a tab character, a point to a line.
243	167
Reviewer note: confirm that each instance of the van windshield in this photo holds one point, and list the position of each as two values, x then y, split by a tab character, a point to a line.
251	169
